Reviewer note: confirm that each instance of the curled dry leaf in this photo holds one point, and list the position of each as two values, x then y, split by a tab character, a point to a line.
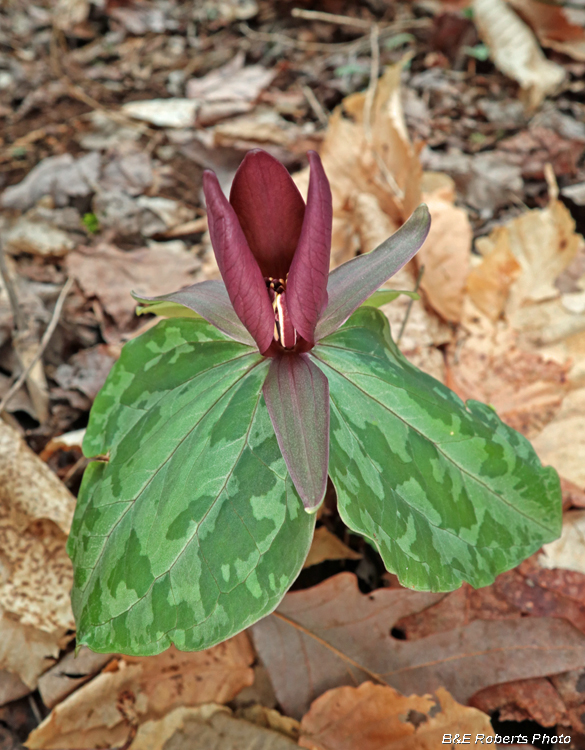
35	573
522	700
367	150
376	717
90	718
515	51
553	27
445	257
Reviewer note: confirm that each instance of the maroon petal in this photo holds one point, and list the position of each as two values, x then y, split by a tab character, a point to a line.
210	300
354	281
297	396
306	287
270	210
243	279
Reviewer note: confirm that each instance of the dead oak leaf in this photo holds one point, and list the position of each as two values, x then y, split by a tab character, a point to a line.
376	717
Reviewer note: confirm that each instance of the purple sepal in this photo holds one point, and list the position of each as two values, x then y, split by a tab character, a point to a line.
297	396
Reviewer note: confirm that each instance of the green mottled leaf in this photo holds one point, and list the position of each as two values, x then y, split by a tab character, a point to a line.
192	530
445	490
384	296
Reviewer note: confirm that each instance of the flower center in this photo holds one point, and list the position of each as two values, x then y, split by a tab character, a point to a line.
284	331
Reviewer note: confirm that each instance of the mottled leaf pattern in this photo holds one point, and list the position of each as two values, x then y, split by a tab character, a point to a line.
446	491
192	530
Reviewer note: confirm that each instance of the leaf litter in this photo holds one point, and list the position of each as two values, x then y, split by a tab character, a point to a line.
101	165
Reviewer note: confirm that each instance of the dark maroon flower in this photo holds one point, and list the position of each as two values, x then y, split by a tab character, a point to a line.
273	254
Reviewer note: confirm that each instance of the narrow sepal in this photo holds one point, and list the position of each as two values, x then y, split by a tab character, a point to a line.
210	300
307	280
242	276
354	281
297	396
270	210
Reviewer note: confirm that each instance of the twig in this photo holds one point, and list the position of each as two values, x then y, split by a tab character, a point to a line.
356	45
315	105
42	345
19	321
374	72
374	675
410	303
317	15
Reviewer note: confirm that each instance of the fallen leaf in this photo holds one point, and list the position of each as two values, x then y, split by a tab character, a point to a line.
62	177
567	552
552	27
90	718
515	51
110	275
87	370
376	717
368	150
326	546
345	637
533	149
271	719
72	671
35	573
37	238
445	257
165	113
523	700
207	727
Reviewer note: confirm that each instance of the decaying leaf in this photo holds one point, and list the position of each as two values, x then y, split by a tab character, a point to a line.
568	552
515	51
357	631
110	275
522	700
206	727
376	717
90	718
368	150
327	546
553	27
445	257
35	573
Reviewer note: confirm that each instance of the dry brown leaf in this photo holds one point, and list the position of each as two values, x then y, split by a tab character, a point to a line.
489	283
90	718
464	659
562	442
326	546
110	275
515	51
552	27
567	552
35	573
522	700
445	256
376	717
206	727
374	157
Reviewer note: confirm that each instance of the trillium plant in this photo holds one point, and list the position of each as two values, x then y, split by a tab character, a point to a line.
217	429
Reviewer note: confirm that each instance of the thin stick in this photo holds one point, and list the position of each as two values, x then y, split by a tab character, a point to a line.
331	648
42	345
374	72
19	321
410	303
317	15
316	105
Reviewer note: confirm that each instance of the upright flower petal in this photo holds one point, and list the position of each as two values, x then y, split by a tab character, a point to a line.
353	282
306	287
270	209
243	279
297	396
